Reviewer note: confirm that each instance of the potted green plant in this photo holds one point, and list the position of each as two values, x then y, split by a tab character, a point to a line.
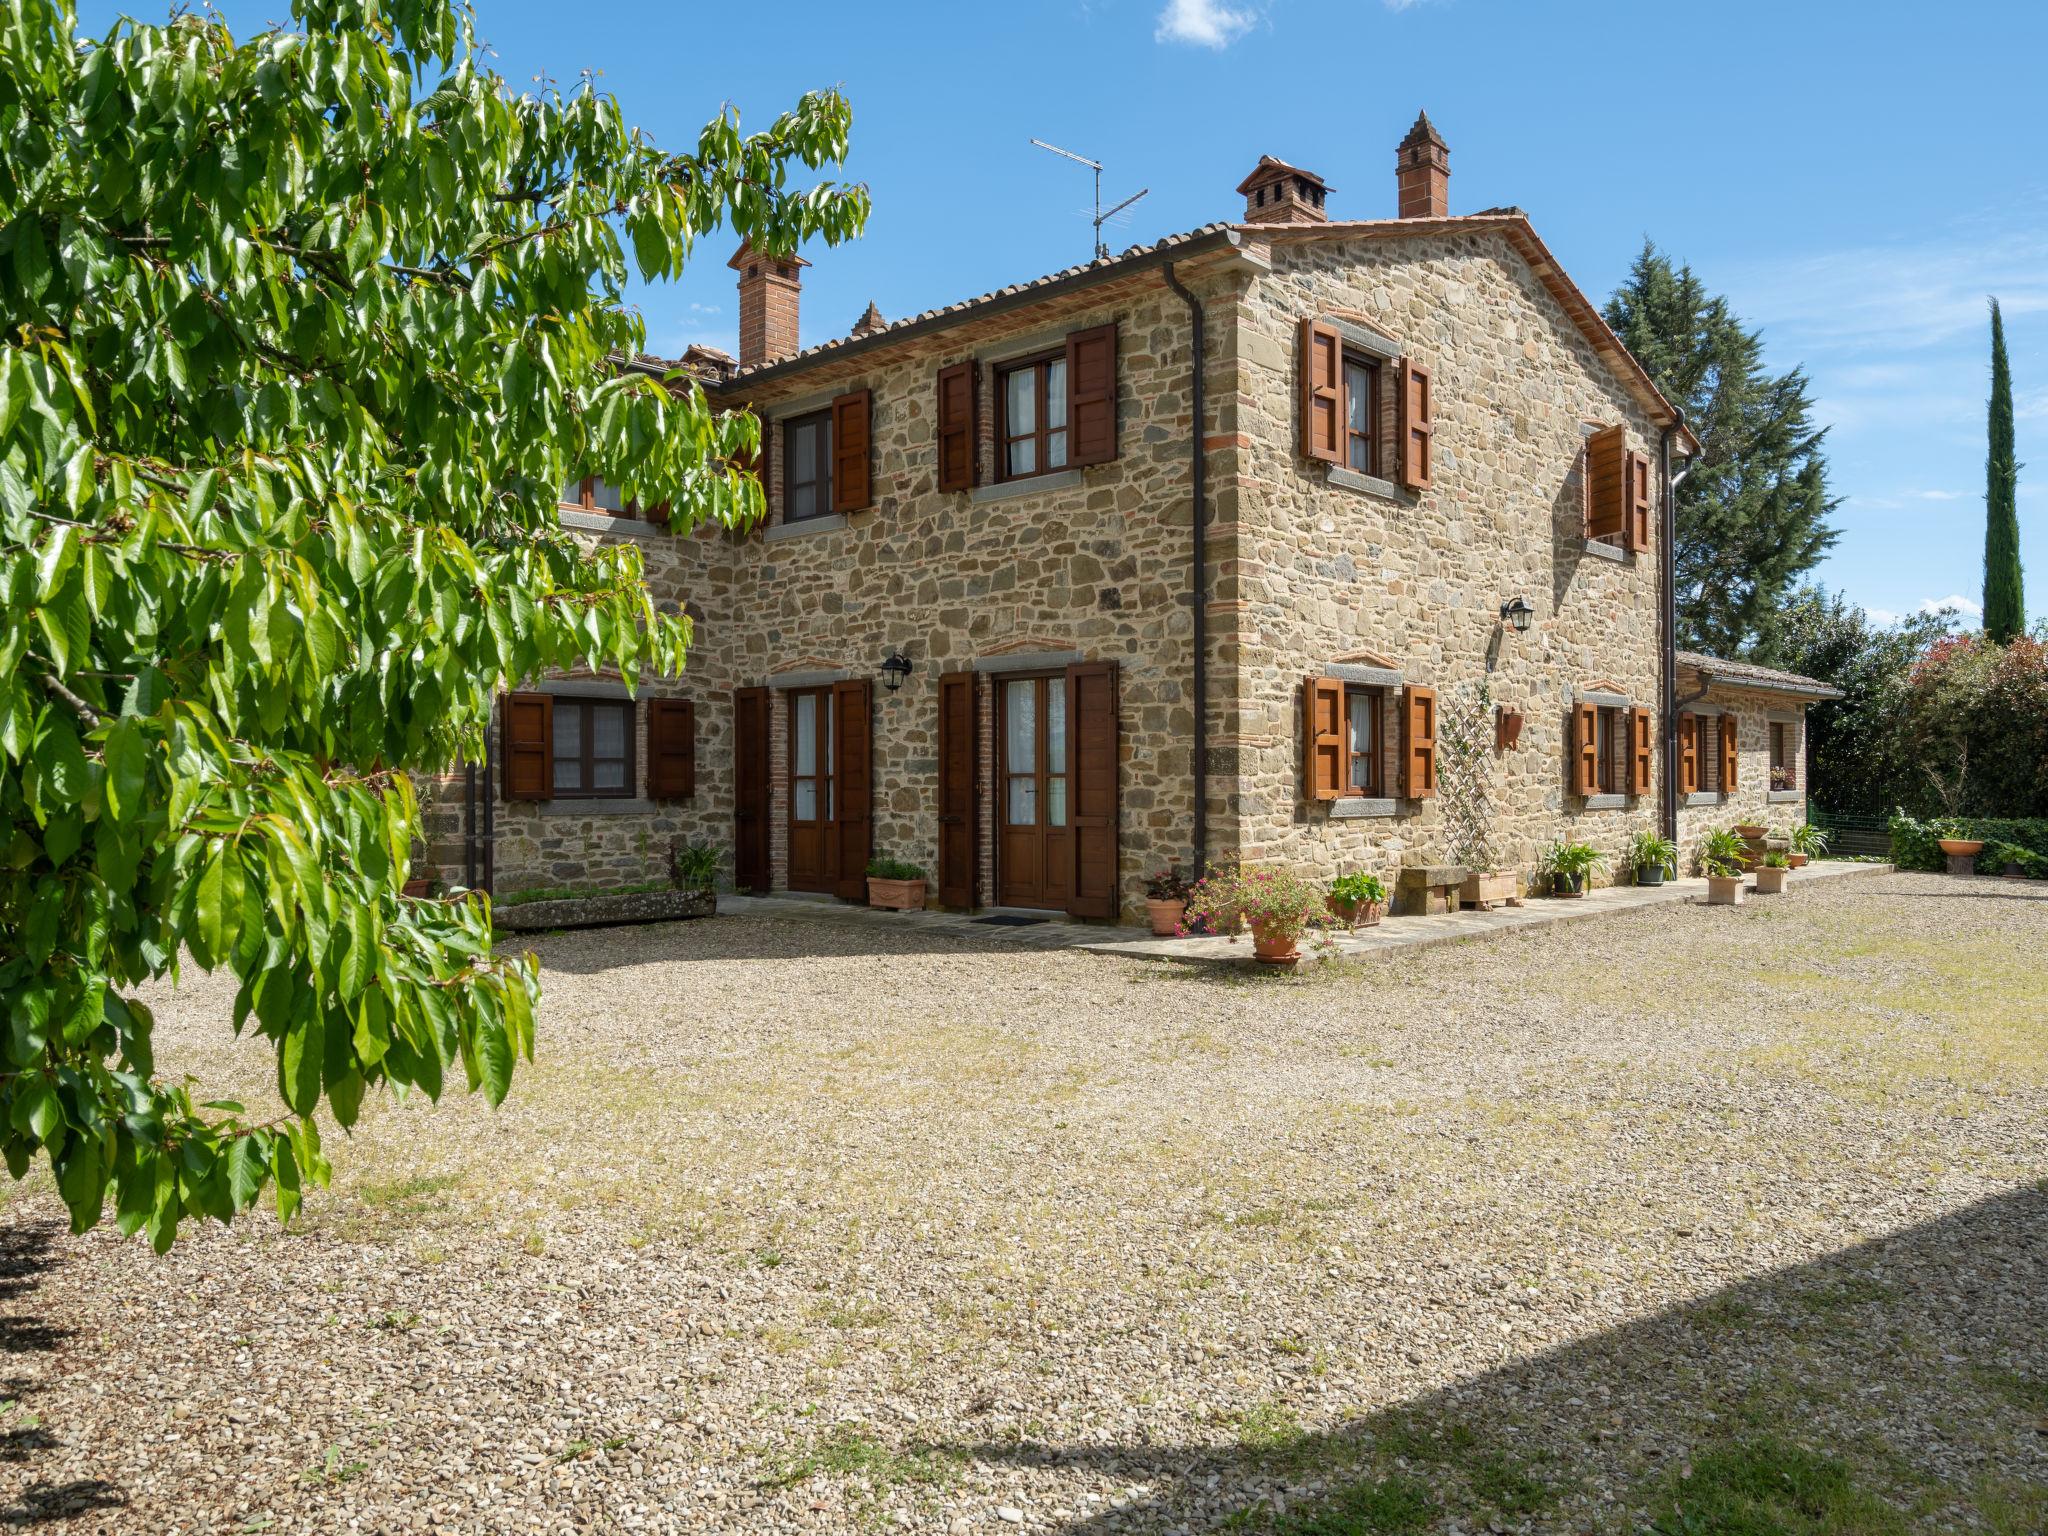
693	869
1950	832
1357	900
1568	865
1653	858
895	884
1166	900
1772	873
1723	856
1277	904
1808	842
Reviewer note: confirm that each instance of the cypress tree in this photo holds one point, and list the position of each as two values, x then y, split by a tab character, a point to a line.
1752	517
2005	606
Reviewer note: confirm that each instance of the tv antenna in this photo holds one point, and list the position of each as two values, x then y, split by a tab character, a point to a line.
1101	218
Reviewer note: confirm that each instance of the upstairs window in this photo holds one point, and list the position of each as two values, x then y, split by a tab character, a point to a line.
1362	413
593	493
1032	431
807	466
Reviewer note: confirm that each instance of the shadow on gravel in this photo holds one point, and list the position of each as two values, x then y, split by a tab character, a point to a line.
1888	1387
27	1251
747	936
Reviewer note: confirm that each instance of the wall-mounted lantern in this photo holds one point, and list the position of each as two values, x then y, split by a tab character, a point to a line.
895	668
1517	614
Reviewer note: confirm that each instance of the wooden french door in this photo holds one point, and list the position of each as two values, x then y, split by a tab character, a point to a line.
753	795
1034	859
830	792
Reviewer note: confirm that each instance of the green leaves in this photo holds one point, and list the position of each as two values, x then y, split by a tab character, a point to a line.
312	328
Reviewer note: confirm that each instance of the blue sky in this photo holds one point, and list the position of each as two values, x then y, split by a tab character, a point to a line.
1856	175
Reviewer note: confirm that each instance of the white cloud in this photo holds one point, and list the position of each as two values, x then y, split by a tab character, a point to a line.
1937	496
1881	616
1204	23
1969	608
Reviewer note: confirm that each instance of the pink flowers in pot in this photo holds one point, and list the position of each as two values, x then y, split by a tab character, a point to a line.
1278	905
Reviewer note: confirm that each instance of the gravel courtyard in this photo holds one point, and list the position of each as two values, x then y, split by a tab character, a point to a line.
1677	1220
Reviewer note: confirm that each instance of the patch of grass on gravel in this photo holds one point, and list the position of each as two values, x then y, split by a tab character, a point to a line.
847	1452
1768	1486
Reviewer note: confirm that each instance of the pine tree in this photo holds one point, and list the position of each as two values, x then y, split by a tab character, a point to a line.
2005	606
1752	516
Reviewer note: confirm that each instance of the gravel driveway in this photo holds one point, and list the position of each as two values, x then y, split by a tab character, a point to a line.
803	1227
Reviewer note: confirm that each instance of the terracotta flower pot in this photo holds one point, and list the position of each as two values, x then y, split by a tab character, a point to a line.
1724	890
1273	948
901	895
1165	916
1357	914
1962	847
1797	860
1770	879
1751	830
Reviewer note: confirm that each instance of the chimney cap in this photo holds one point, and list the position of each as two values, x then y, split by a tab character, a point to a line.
748	251
870	321
1270	168
1424	132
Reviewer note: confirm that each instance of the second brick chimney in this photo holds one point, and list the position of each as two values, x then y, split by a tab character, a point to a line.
1422	169
769	289
1279	193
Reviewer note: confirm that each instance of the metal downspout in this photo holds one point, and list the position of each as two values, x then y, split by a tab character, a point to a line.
1667	617
1198	583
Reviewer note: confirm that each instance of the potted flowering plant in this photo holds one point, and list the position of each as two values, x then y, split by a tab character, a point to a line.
1653	858
1166	900
1808	842
895	884
1357	900
1278	905
1723	857
1772	872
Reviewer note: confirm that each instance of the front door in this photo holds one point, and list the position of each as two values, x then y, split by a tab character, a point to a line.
1034	861
813	863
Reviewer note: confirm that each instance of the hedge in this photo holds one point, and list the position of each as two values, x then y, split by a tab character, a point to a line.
1917	844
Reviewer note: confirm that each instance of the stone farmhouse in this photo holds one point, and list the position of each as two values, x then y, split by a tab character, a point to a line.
1270	540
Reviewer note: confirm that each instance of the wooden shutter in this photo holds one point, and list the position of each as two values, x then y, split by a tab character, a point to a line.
1322	738
1641	736
1415	406
1635	522
671	749
959	834
1418	742
853	786
1586	749
852	445
526	741
1322	392
1688	754
1091	396
1606	482
1730	756
956	429
752	796
1092	788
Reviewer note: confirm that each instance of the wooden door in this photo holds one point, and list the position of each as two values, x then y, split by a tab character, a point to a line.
1033	857
852	758
813	850
1092	709
959	831
752	798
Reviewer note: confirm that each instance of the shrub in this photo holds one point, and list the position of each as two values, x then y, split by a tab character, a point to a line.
1809	840
693	866
1280	902
881	868
1916	844
1358	887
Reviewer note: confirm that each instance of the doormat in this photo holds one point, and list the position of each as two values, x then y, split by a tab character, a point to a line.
1009	920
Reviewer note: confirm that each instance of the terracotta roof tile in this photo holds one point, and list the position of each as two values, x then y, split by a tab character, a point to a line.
1715	670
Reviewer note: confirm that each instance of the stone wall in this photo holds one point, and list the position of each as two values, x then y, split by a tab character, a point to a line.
1752	801
1325	572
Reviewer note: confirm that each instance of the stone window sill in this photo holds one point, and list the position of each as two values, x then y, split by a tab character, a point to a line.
1786	796
1359	807
1371	485
1606	551
1005	490
1607	802
595	806
1710	797
830	523
603	522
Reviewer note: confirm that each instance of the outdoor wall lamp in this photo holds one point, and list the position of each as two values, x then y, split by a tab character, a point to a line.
895	668
1517	614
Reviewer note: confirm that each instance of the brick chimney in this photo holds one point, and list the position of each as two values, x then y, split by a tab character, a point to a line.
769	289
1279	193
1422	169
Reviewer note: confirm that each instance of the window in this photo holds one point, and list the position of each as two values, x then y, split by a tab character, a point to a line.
1709	728
807	466
1032	432
593	493
1608	775
593	748
1362	411
1784	771
1363	738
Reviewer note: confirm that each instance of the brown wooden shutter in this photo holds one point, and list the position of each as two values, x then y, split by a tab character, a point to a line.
1641	737
1416	407
1635	524
1607	482
956	428
1586	749
1418	742
1322	392
526	740
671	749
1730	755
852	445
1322	738
752	796
1091	395
1688	754
1092	788
853	786
959	833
